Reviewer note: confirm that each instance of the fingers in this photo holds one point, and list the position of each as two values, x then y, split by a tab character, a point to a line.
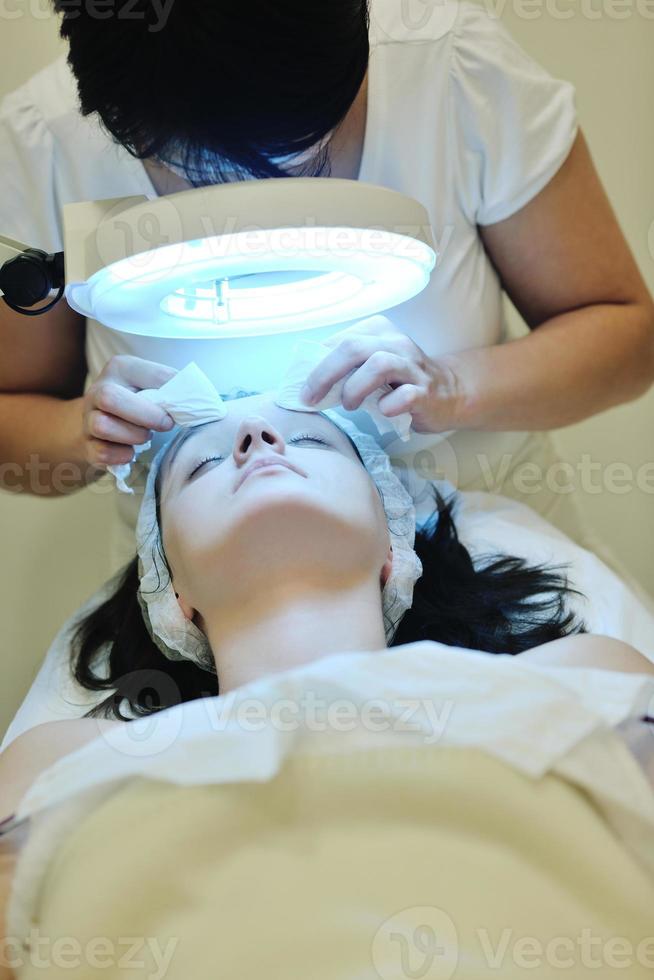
352	348
113	399
381	368
110	441
137	373
399	401
115	417
350	354
378	326
111	429
103	454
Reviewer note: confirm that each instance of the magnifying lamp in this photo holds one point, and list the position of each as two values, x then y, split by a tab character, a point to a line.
245	259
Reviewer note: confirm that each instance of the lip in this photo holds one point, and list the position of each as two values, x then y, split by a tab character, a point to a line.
266	461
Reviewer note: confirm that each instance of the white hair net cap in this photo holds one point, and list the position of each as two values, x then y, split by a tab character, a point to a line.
180	639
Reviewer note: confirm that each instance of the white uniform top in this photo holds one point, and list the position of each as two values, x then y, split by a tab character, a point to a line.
459	117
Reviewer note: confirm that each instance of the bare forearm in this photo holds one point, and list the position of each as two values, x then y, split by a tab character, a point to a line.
41	448
568	368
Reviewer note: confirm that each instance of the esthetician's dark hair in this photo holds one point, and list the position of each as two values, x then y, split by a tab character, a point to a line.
495	604
219	85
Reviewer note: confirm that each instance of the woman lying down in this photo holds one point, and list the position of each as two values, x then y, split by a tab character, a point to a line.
306	763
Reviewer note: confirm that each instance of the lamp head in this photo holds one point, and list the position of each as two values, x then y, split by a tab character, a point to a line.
245	259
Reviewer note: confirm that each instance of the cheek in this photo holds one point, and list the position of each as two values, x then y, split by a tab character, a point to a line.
352	488
377	517
361	497
175	556
369	493
189	526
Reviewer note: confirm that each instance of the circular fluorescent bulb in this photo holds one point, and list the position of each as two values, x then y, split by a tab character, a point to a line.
256	258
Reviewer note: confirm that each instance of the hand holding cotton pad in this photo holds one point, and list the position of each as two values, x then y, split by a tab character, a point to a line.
307	354
189	398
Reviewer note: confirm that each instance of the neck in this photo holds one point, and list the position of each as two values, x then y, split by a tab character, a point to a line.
290	628
164	180
346	149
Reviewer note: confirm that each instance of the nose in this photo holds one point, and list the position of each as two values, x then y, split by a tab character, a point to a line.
254	435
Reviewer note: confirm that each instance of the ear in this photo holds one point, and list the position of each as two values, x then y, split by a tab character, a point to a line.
388	567
186	607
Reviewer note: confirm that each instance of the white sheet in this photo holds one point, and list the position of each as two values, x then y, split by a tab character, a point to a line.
535	719
487	524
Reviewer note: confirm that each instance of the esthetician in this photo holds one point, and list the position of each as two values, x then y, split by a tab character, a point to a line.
431	99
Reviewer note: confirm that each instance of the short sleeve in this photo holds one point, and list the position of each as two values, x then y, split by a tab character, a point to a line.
513	124
28	205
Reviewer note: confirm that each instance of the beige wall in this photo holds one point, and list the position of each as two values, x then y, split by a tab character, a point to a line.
611	63
55	552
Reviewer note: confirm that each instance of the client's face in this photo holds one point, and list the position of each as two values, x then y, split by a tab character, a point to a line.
233	529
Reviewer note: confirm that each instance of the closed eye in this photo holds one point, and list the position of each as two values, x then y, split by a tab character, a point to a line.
305	437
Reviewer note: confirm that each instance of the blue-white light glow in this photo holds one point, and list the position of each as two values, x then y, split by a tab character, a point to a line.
256	283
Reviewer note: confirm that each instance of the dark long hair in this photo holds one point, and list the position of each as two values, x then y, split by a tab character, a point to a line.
219	85
495	604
